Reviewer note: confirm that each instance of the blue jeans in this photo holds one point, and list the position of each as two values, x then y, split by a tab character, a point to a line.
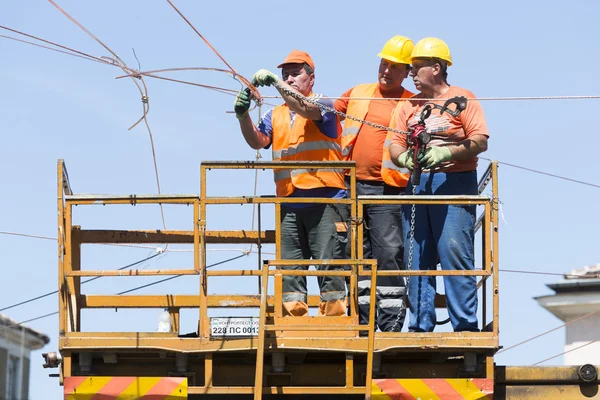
444	233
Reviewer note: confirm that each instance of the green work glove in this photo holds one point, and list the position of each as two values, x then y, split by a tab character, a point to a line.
242	104
435	155
406	160
264	78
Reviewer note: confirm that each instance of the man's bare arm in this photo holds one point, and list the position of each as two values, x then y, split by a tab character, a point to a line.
302	108
255	138
468	148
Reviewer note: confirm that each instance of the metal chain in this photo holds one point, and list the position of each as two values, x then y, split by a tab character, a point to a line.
378	126
411	246
333	110
414	189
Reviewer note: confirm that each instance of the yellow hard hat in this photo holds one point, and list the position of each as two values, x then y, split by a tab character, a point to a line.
397	50
432	48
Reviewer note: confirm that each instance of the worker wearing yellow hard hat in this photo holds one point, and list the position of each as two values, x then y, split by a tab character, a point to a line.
449	164
377	175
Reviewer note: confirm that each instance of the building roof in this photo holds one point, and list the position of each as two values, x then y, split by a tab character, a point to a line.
576	295
587	272
17	327
586	279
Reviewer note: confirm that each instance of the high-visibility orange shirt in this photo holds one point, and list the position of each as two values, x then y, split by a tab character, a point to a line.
368	148
448	129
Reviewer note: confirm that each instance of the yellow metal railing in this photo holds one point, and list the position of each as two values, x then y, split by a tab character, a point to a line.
72	301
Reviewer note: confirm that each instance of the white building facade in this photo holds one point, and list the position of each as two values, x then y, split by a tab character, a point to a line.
577	301
16	344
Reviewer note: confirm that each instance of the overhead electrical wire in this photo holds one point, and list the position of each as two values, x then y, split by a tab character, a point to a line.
152	74
143	91
135	288
66	50
107	61
57	50
134	73
179	276
528	98
576	276
548	331
86	281
565	352
160	250
545	173
565	275
360	98
245	81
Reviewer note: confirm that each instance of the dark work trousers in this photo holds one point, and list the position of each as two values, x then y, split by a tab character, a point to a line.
382	240
312	233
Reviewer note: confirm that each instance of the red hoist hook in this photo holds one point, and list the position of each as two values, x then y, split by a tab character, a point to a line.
418	136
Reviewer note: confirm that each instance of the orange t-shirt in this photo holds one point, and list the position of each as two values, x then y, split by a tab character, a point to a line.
368	149
451	129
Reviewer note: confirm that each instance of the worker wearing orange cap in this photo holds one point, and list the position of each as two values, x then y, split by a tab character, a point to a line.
449	162
377	175
301	131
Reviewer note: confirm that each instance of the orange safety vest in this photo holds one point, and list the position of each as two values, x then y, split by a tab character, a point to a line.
390	173
303	142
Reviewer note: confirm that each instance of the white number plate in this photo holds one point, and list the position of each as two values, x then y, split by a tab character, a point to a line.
233	326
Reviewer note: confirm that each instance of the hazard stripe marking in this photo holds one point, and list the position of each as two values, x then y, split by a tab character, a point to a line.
432	389
392	390
125	388
486	386
173	386
114	387
469	390
419	389
71	383
141	386
443	388
88	388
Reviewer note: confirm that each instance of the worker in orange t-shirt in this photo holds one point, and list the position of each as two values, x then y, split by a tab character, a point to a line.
377	175
441	232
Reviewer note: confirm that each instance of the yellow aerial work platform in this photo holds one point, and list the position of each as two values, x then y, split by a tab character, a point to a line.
275	356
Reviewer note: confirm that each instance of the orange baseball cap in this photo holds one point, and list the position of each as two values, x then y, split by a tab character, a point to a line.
298	57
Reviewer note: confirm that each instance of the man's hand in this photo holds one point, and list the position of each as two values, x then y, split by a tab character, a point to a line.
242	104
406	160
263	78
435	155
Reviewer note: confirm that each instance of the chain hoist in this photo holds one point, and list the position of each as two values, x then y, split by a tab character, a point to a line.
417	139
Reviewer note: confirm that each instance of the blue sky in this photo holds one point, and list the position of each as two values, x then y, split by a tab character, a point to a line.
55	106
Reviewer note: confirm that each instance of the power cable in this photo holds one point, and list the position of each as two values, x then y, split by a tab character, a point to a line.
77	53
36	318
27	235
359	98
565	352
86	281
235	73
545	173
134	289
591	276
575	97
136	246
143	89
246	82
179	276
67	50
549	331
98	60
